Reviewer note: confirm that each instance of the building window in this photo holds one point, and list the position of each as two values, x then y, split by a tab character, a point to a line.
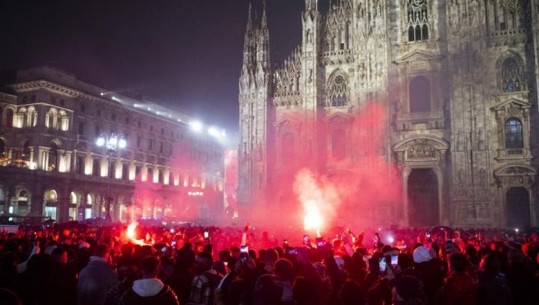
420	94
514	137
512	76
338	91
79	166
417	18
51	118
338	144
96	168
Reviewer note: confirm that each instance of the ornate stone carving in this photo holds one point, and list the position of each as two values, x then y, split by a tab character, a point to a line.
421	151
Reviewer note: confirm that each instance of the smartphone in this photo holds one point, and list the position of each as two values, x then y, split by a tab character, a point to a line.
173	244
244	249
382	264
394	260
291	251
206	234
305	238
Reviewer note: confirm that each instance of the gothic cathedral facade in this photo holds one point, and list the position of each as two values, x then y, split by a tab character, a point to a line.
457	84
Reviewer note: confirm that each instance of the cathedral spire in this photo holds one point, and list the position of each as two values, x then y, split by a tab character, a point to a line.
263	21
311	5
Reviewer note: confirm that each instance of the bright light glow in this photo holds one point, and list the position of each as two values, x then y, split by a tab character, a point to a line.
113	141
213	131
313	218
122	143
390	239
100	141
102	93
131	230
196	126
516	230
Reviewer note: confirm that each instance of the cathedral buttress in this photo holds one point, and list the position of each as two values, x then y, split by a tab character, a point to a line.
254	101
310	71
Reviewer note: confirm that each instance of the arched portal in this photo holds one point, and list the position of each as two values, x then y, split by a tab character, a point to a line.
423	205
518	207
51	202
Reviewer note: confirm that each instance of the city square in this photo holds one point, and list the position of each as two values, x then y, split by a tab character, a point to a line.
375	139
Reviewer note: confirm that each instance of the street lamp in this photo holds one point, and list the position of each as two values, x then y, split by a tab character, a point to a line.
112	142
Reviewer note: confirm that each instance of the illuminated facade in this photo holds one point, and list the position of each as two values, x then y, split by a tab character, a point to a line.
458	84
51	166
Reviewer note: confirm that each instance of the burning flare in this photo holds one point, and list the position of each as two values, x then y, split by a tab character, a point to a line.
313	218
131	233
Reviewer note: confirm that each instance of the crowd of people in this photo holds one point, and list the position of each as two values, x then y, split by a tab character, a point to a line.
248	266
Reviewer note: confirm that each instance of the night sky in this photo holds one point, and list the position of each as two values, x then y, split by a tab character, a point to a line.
184	54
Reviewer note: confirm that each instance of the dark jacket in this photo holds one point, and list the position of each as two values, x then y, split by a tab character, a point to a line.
94	281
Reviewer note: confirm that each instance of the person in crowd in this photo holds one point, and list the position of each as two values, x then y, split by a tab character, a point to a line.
205	282
460	288
182	275
352	293
37	282
65	278
493	287
241	289
520	276
149	289
96	278
430	272
408	290
127	274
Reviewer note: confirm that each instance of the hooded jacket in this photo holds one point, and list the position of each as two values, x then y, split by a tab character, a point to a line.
149	291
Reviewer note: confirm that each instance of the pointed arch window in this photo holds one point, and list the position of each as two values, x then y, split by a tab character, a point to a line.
514	137
31	117
338	91
51	118
417	18
419	94
338	144
288	146
512	76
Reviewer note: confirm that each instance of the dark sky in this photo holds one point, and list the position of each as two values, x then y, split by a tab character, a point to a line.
185	54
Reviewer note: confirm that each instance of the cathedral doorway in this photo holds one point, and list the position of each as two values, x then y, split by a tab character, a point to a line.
518	207
423	201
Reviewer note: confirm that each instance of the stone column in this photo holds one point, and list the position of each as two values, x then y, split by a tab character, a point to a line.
405	175
442	217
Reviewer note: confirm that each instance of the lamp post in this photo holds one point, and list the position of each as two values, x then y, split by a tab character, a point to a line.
112	142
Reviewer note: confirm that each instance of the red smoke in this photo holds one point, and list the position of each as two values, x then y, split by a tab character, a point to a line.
361	189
